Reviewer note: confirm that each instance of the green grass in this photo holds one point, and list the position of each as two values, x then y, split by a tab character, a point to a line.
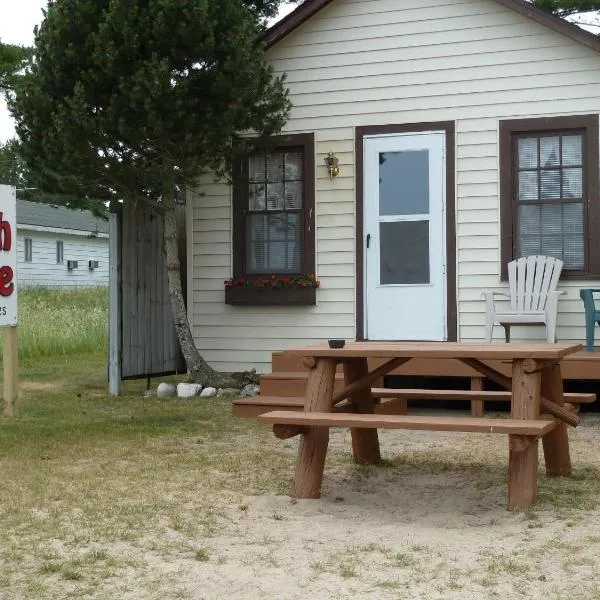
62	322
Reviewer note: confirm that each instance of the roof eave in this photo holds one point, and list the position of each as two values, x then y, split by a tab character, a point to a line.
299	15
309	7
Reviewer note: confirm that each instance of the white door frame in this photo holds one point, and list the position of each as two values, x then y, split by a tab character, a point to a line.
451	298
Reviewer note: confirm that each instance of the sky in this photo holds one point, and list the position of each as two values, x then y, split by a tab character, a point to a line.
17	20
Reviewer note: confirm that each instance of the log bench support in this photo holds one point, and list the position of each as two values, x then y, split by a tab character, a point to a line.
365	442
523	461
556	443
313	444
477	407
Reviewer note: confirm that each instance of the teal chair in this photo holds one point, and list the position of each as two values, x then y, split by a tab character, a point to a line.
592	315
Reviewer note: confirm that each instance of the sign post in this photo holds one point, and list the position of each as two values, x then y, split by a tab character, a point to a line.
8	296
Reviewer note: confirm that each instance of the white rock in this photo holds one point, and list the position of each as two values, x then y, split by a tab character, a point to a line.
188	390
251	390
208	392
165	390
227	392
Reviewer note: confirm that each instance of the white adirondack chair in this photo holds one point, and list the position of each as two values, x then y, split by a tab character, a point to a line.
533	297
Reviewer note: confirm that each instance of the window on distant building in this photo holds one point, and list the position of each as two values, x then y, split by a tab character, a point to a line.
59	253
28	249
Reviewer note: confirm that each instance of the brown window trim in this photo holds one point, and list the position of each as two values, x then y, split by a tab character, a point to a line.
247	295
508	129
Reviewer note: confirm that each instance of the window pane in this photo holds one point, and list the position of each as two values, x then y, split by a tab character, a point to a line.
282	226
528	158
256	200
529	230
551	222
404	252
550	184
275	197
571	150
554	230
274	167
293	194
572	184
404	183
549	152
528	185
551	230
294	166
273	243
256	168
573	227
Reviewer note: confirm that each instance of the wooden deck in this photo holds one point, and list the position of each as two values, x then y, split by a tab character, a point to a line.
288	376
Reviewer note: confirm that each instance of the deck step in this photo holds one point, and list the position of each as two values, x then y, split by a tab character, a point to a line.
467	424
290	383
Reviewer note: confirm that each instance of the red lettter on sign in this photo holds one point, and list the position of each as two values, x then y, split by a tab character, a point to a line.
7	287
5	234
8	257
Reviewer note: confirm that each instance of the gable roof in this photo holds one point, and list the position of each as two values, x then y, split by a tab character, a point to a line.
58	217
310	7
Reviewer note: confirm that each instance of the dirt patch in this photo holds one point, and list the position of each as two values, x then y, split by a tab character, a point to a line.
37	386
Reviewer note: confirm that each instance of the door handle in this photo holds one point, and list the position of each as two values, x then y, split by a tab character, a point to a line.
368	240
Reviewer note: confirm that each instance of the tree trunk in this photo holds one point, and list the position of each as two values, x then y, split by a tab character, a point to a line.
200	370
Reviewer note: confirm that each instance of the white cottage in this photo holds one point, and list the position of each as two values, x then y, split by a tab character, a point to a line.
57	246
467	135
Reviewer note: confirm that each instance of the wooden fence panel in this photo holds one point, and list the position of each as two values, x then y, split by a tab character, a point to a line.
149	341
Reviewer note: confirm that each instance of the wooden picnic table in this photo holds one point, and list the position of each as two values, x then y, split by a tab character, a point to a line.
536	387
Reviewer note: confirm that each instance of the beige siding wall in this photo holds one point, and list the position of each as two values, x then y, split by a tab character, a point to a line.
375	62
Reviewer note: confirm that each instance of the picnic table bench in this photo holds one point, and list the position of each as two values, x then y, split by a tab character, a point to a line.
538	408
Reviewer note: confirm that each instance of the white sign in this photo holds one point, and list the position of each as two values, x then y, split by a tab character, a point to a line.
8	256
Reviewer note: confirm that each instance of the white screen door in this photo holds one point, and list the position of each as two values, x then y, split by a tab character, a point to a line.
405	236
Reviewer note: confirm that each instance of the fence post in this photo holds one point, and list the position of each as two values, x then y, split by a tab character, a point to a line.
114	306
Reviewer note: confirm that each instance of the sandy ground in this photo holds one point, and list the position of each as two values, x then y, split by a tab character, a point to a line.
402	532
430	523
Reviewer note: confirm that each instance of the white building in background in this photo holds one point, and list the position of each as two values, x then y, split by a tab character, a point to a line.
57	246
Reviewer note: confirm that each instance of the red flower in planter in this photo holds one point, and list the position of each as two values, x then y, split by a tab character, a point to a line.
276	281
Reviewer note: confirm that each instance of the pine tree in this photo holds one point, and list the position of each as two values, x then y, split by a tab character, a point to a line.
130	100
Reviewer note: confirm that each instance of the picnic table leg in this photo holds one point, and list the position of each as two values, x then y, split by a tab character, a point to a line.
313	443
523	458
365	442
477	407
556	443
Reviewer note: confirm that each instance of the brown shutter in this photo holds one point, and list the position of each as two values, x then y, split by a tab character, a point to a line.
593	206
506	201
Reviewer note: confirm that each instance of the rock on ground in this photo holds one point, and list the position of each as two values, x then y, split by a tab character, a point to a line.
251	390
208	392
188	390
166	390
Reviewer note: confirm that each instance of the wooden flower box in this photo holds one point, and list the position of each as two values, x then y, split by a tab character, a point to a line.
270	296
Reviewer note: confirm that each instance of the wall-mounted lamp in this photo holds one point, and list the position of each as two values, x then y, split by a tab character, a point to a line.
332	165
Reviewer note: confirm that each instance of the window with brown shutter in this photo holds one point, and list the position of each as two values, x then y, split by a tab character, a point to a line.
549	192
273	217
